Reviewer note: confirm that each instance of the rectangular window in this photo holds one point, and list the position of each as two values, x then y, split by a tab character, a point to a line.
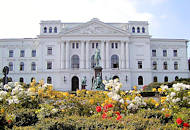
22	53
96	45
165	53
116	45
112	45
49	51
175	53
11	53
49	65
92	45
33	53
153	53
139	64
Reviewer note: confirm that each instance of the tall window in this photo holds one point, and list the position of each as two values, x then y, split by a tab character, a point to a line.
153	53
11	53
175	65
166	79
75	61
175	53
165	65
133	29
49	50
22	53
140	80
96	45
155	79
139	64
21	80
49	65
165	53
154	65
33	66
50	29
73	45
10	66
33	53
77	45
55	29
114	61
116	45
93	45
143	30
49	80
45	29
21	66
92	62
112	45
138	30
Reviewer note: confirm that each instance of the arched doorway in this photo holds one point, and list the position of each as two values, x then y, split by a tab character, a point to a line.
115	77
75	83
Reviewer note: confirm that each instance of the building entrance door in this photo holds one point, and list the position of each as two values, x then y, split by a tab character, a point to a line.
75	83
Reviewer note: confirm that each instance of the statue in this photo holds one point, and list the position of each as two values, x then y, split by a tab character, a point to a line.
5	73
83	83
97	57
97	83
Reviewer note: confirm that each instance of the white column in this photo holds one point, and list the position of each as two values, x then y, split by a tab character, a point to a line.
107	55
122	54
63	54
87	54
82	55
67	55
127	55
102	54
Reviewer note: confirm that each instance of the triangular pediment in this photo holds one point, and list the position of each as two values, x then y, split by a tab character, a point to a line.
95	27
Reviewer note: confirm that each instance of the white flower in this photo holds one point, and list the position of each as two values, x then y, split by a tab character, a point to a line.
7	87
1	98
54	110
178	99
121	101
164	87
172	94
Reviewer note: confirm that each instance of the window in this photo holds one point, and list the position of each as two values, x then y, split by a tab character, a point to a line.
21	66
116	45
165	65
21	80
96	45
75	61
155	79
114	61
153	53
45	29
33	66
73	45
77	45
143	30
33	53
176	78
154	65
175	53
112	45
32	79
50	29
165	53
49	51
139	64
166	79
10	66
175	65
140	80
11	53
138	30
133	29
22	53
55	29
49	80
93	62
49	65
92	45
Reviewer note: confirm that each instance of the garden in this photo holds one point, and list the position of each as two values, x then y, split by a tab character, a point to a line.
39	106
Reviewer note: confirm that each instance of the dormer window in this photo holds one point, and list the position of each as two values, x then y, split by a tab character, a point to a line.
133	29
55	29
138	30
50	29
45	30
143	30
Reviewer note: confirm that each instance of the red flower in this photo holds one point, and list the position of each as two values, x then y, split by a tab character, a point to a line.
179	121
167	115
106	108
117	112
118	117
98	109
104	116
9	121
110	105
185	124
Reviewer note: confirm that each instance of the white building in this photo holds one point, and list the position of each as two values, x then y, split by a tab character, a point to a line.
62	54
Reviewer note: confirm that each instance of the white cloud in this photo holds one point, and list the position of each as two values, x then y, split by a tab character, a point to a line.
20	18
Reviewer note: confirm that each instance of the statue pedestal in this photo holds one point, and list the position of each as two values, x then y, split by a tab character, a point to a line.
83	86
98	71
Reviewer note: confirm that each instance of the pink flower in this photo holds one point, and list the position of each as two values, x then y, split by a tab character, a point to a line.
179	121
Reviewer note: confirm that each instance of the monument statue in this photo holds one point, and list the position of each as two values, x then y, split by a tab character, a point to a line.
97	57
97	83
83	82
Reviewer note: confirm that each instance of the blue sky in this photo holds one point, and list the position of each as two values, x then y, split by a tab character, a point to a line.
167	18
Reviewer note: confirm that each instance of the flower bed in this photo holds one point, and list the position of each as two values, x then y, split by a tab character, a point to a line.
40	107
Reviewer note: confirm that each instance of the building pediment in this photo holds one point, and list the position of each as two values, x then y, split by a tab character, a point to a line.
95	27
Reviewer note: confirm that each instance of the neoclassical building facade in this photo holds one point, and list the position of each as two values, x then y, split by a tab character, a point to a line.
63	53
